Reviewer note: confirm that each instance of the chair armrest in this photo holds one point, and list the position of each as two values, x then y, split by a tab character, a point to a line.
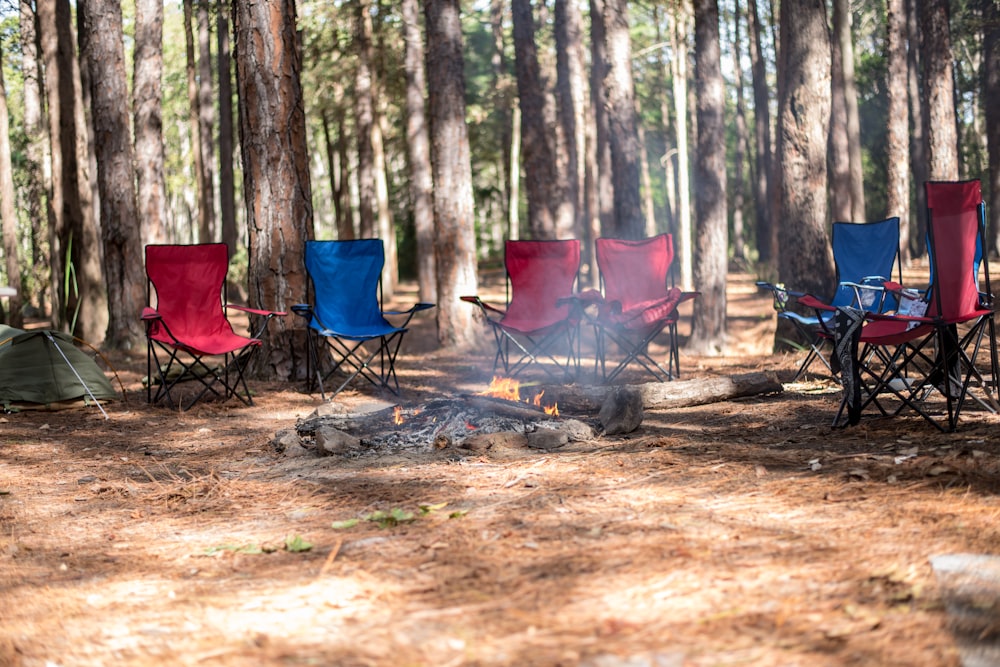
257	311
150	314
487	308
303	310
415	308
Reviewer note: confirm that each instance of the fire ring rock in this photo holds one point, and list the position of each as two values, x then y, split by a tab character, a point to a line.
621	411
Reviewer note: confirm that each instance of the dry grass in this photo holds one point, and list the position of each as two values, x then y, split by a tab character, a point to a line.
743	532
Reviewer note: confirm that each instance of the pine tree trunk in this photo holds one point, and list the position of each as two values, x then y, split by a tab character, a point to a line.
684	242
206	118
147	95
105	55
227	184
364	109
738	187
602	170
708	327
8	213
991	102
763	191
918	132
570	92
842	33
624	139
454	223
897	146
276	186
838	160
803	114
939	90
418	151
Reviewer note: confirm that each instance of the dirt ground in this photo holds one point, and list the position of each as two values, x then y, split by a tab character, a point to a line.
744	532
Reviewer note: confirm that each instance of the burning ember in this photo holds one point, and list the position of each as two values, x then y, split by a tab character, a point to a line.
509	389
397	415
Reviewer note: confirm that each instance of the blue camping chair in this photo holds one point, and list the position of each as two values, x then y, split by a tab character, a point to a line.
346	311
864	254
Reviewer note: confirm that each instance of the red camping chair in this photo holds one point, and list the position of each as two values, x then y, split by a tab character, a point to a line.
188	325
637	304
540	320
913	358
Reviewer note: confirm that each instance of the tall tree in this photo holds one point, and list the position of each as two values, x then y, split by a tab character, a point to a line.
767	236
570	76
542	178
803	115
147	102
679	69
624	139
991	102
918	130
227	185
37	264
194	124
8	211
79	297
276	186
105	54
365	121
418	151
601	189
939	89
897	146
838	160
845	43
708	328
206	117
454	222
738	187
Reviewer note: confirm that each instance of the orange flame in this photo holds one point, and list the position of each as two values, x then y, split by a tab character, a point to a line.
509	389
397	415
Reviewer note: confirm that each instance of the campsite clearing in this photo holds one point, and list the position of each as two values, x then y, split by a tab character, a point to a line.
740	532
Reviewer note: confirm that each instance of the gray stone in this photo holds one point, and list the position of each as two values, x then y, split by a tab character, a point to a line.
334	441
547	438
622	411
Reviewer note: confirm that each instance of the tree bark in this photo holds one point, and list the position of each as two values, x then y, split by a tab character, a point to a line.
8	212
803	114
684	244
570	90
147	96
78	289
542	178
738	187
36	155
624	139
276	184
206	118
918	131
708	327
194	123
454	223
419	152
105	54
666	395
767	231
227	184
603	208
364	110
838	160
939	90
842	33
897	132
991	102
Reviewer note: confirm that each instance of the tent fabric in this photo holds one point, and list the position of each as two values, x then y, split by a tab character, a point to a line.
33	373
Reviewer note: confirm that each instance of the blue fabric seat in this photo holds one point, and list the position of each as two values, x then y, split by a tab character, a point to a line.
346	311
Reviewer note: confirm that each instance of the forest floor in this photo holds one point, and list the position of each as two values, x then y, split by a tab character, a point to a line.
742	532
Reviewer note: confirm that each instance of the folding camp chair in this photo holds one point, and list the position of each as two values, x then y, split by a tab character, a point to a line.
864	254
637	304
346	312
540	319
189	325
912	357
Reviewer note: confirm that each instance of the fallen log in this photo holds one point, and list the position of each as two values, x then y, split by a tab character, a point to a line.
666	395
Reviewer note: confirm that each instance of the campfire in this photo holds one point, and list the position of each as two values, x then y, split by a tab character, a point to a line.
441	422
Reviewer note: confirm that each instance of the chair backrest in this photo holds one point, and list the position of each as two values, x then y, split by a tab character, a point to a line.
956	227
863	250
540	273
635	271
189	281
345	279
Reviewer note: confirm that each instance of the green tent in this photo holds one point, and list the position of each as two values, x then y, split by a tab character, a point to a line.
44	369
